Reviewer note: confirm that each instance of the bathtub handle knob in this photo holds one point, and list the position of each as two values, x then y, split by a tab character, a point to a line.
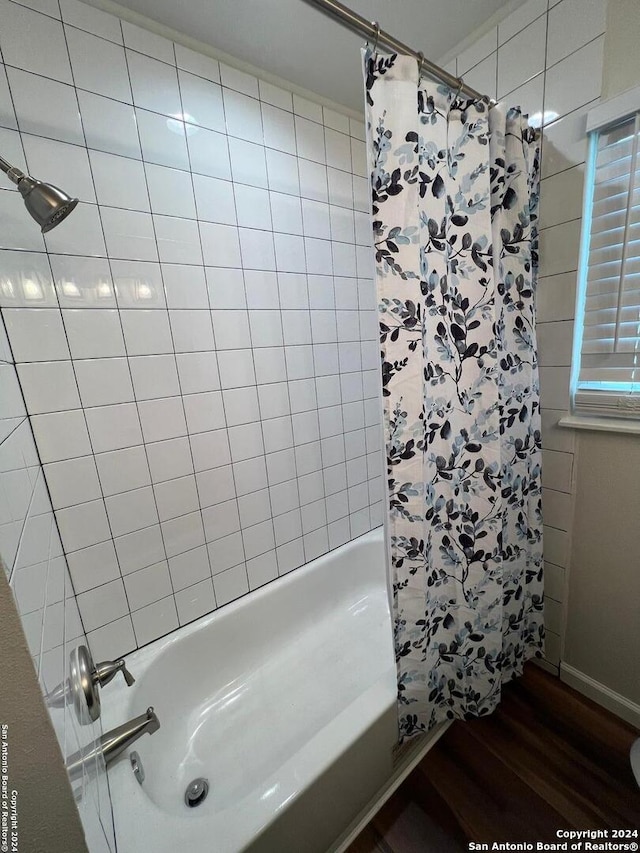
107	670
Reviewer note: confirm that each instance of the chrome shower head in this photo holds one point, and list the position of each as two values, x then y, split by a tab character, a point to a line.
47	204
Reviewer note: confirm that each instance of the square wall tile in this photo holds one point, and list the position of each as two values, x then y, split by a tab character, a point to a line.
571	25
120	181
210	449
45	107
183	533
170	191
195	601
189	568
163	140
176	497
93	333
36	334
146	332
209	154
198	371
262	569
201	102
123	470
576	80
48	386
204	412
243	117
113	427
109	125
130	511
248	164
34	42
162	419
154	376
102	605
148	585
270	94
197	63
154	84
169	459
103	381
93	566
90	55
140	549
113	640
129	234
155	620
151	44
64	165
216	485
230	584
238	80
522	57
185	286
83	525
72	481
83	282
92	20
61	435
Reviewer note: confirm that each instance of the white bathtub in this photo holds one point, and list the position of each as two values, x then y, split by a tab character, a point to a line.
284	700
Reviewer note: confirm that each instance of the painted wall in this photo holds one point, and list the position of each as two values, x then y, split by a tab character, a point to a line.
197	343
547	57
43	601
603	635
603	624
622	61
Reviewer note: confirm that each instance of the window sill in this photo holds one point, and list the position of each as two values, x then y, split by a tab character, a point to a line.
623	425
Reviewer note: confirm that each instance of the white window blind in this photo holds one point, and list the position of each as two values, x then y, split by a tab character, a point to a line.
608	379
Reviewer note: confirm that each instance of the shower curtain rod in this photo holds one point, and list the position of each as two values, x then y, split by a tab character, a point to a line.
360	25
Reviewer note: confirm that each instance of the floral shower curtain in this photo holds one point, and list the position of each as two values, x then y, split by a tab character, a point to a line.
454	188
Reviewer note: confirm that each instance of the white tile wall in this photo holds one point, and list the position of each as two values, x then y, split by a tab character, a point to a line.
548	56
197	345
32	556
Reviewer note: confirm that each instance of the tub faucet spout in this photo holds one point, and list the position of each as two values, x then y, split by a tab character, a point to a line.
117	740
113	743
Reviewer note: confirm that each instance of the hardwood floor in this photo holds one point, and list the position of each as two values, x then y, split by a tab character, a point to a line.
547	759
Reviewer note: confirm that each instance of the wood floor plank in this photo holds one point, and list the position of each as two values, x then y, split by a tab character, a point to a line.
570	769
366	842
509	804
547	759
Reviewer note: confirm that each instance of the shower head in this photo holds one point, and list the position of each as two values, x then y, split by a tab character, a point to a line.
47	204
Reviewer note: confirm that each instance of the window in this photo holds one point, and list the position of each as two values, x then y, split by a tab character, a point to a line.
606	357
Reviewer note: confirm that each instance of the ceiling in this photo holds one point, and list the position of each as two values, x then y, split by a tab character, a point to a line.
294	41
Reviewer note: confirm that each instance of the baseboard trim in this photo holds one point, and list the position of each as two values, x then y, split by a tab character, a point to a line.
600	693
544	664
409	760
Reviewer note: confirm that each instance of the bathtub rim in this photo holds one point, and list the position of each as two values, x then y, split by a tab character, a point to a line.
141	658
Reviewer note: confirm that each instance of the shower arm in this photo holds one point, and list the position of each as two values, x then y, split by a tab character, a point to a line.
12	172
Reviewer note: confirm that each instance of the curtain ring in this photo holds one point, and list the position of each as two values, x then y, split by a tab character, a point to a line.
420	64
376	27
459	89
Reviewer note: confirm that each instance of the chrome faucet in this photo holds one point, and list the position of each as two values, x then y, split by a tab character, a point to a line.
81	688
113	743
104	672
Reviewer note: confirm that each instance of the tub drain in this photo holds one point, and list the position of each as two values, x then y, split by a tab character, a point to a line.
196	792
